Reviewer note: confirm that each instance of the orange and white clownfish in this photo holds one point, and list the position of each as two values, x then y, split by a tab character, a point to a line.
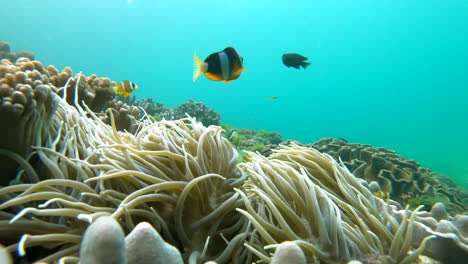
226	65
382	195
125	88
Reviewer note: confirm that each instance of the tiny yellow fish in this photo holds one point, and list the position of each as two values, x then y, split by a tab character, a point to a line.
125	88
382	195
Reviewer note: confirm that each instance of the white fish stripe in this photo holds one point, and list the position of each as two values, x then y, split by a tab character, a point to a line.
128	87
125	87
224	62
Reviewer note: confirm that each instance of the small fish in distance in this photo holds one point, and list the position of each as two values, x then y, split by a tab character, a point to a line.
295	60
271	98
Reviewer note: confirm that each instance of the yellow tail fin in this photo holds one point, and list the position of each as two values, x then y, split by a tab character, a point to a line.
199	67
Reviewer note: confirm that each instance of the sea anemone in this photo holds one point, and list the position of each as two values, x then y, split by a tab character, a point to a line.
183	179
301	195
177	175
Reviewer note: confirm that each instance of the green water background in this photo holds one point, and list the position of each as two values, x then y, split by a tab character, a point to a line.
391	73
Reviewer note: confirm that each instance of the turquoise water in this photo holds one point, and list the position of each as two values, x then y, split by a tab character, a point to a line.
391	73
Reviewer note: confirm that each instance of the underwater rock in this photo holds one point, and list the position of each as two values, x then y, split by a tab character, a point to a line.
404	179
5	53
144	245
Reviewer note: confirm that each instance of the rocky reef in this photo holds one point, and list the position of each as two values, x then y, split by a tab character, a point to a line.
261	141
405	180
206	115
5	53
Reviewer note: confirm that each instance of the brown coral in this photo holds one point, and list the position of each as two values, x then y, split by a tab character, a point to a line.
403	178
204	114
27	104
5	53
95	92
28	101
125	116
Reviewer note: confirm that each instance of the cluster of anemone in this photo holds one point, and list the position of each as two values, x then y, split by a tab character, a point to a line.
29	101
183	180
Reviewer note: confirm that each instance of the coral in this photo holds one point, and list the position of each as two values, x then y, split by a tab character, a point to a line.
130	100
428	200
27	104
4	47
258	147
125	117
151	108
5	53
288	252
144	245
95	92
252	143
403	178
439	211
450	243
236	139
251	140
271	137
103	242
198	110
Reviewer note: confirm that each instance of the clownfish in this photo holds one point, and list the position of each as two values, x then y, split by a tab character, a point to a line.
226	65
382	195
125	88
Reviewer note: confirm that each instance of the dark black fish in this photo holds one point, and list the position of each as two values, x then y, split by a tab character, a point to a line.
295	60
225	66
